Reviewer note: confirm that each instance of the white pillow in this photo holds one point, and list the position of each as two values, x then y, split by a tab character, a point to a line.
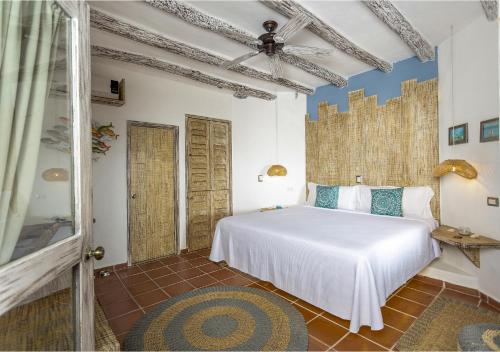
311	195
347	196
416	200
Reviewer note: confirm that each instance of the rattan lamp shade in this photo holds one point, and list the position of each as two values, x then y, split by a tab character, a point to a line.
457	166
276	170
55	174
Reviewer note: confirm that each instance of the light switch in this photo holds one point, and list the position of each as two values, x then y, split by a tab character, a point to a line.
359	179
492	201
260	178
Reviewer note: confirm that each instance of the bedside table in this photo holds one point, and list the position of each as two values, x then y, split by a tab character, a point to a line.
469	246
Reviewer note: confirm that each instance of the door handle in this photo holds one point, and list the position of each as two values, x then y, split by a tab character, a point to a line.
133	195
97	253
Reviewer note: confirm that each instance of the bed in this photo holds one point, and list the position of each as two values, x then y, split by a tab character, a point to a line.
344	262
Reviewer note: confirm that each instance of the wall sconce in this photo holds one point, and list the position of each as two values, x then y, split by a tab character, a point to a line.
55	174
457	166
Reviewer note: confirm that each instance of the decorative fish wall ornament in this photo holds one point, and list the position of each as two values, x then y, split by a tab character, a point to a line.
58	137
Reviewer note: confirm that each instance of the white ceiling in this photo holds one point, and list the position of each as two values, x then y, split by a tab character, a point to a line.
351	18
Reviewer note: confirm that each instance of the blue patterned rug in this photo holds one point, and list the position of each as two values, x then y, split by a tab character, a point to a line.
227	318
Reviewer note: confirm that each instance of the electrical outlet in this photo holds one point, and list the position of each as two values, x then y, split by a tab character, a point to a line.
359	179
260	178
492	201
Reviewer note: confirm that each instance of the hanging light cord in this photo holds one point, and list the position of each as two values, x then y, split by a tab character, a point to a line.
276	129
452	89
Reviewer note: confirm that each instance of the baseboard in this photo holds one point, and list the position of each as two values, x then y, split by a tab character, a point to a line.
446	272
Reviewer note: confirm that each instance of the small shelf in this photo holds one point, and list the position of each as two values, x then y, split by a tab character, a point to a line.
468	245
111	101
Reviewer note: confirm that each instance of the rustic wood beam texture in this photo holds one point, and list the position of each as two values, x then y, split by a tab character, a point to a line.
490	8
240	91
197	18
290	8
110	24
391	16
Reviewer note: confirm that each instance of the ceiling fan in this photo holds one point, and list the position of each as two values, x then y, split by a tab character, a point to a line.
273	44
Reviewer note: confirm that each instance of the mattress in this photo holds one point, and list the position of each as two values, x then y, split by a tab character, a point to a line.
344	262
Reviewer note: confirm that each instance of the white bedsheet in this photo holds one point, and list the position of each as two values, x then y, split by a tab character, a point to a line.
346	263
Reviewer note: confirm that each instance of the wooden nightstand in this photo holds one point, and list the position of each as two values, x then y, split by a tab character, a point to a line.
468	245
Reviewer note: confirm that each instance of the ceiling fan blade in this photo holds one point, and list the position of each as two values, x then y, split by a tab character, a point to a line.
276	66
306	50
231	63
290	28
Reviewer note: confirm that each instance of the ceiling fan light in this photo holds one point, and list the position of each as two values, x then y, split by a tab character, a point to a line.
277	170
457	166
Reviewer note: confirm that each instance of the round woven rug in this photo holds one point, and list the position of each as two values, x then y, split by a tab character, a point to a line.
220	318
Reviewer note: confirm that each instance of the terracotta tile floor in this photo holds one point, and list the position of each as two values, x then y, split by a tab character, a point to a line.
129	292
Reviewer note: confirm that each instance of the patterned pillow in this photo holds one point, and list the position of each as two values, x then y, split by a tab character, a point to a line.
387	201
327	196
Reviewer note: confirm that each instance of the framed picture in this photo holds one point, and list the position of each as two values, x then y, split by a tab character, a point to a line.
458	134
488	131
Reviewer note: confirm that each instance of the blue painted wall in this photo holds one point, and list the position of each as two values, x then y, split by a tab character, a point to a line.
374	82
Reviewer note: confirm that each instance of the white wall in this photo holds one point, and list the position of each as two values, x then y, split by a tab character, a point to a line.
463	202
160	98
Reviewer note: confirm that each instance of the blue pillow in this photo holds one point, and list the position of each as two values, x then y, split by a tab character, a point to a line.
387	201
327	196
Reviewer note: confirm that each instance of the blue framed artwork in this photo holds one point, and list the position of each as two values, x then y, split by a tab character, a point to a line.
458	134
489	130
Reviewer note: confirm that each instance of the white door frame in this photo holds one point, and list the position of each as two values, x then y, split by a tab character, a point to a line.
24	276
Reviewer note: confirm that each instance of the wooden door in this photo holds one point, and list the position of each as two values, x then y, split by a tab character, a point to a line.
208	178
220	164
47	293
152	151
198	155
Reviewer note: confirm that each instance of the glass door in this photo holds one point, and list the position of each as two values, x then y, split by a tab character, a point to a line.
46	277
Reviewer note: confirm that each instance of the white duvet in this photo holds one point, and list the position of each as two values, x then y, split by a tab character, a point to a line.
346	263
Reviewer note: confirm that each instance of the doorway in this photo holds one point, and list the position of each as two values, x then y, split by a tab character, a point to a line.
208	178
47	295
152	191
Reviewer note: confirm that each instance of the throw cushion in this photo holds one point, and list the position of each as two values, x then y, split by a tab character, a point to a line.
327	196
387	201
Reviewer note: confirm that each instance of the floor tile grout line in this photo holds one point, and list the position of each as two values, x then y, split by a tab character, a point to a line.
418	291
122	315
315	338
432	294
338	341
400	311
131	295
463	293
408	299
161	289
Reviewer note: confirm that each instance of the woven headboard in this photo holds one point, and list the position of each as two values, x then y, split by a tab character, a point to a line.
395	144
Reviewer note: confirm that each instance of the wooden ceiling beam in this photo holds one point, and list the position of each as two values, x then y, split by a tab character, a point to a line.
490	8
240	91
391	16
199	19
290	8
110	24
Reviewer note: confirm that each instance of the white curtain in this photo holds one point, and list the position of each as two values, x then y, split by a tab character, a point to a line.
28	43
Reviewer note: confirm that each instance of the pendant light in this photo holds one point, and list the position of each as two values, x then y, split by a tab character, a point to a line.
457	166
55	174
276	169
